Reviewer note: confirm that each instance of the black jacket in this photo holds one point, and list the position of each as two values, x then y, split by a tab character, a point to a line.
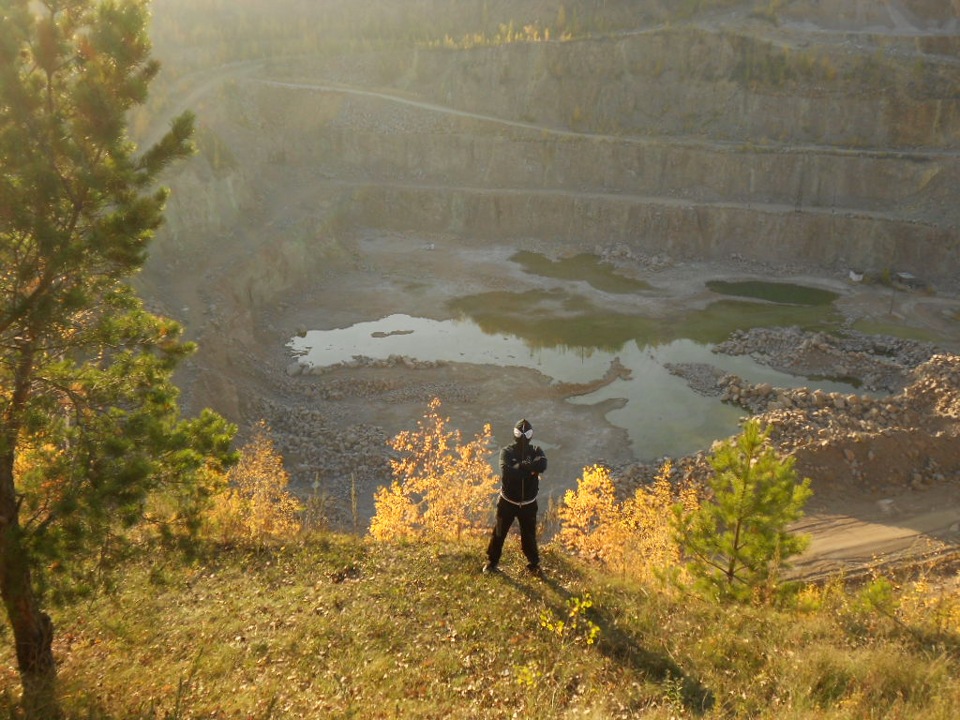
520	469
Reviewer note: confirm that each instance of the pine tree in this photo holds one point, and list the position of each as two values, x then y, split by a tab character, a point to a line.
90	430
738	537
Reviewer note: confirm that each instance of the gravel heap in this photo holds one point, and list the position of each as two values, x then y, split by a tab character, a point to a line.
909	438
873	362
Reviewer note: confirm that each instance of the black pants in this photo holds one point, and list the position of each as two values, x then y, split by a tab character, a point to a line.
526	515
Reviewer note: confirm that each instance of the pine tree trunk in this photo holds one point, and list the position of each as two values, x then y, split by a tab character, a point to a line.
32	628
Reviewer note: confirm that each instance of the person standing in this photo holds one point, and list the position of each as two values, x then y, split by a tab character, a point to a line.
520	467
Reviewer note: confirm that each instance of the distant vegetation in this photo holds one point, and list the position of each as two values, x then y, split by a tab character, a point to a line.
211	32
505	35
762	64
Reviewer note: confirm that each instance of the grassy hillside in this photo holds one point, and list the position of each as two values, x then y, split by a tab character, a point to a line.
336	627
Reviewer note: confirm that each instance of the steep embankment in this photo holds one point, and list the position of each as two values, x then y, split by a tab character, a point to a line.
717	135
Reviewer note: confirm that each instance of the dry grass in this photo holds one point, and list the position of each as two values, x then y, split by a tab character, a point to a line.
338	627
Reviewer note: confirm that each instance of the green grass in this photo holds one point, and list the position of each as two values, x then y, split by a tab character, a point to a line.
335	627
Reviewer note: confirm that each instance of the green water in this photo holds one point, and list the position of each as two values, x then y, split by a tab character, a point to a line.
563	317
717	321
580	268
783	293
547	319
873	327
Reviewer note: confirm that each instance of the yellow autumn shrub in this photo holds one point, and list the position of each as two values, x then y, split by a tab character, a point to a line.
442	487
649	516
255	506
592	522
396	515
930	606
634	537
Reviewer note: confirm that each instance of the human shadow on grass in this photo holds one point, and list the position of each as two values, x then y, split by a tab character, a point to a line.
614	642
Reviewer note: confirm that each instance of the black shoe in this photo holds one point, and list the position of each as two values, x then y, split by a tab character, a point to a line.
534	569
490	568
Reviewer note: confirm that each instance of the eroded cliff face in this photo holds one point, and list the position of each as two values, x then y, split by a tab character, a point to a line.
746	82
826	134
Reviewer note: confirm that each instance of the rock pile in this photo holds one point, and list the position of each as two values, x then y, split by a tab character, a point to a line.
874	362
906	440
329	458
329	454
849	442
302	367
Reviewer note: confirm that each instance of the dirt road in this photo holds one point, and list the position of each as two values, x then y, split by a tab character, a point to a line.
860	534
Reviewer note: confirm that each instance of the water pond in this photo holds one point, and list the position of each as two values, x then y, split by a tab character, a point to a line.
571	338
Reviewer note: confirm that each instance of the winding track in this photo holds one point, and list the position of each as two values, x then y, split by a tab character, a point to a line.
245	71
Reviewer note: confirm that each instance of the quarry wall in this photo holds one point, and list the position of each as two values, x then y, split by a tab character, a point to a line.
834	149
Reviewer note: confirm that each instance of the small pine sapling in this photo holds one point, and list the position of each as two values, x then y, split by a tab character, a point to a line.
738	537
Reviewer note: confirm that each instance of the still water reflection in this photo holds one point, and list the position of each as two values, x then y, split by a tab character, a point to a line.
661	414
567	331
